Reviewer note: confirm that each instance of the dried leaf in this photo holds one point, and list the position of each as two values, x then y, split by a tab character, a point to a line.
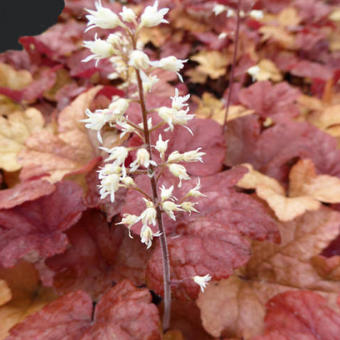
212	63
27	295
14	131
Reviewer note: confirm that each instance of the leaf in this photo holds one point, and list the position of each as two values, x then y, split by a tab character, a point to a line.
272	151
285	208
235	307
306	188
99	254
202	247
268	71
300	315
213	108
23	192
13	79
14	131
70	150
124	312
26	231
262	97
66	318
279	35
211	63
222	205
5	293
26	295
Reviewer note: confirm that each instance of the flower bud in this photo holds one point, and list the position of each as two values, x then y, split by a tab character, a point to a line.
179	171
139	60
102	17
169	207
152	16
189	207
161	146
128	15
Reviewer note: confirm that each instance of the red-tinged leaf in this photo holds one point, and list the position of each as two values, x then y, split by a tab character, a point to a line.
98	255
79	69
305	68
125	313
300	315
203	247
273	151
312	10
24	192
63	39
37	51
87	263
34	229
64	319
185	316
222	205
275	101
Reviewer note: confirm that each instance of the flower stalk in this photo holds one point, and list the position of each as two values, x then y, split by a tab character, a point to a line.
134	67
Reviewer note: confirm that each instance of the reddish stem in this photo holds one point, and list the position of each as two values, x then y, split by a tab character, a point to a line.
232	72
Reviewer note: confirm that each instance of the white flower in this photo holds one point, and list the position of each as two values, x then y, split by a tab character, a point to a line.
231	13
189	156
126	128
100	49
102	17
117	40
118	154
161	146
194	192
148	81
147	235
129	220
179	102
189	207
142	159
96	120
173	117
128	15
109	169
254	71
169	207
178	171
202	281
170	63
148	216
152	16
218	9
166	194
222	35
256	14
139	60
128	182
119	107
108	186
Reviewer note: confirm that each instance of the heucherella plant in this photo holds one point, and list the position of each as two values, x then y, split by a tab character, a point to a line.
124	49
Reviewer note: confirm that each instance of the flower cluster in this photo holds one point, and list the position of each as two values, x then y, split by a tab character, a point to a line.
134	67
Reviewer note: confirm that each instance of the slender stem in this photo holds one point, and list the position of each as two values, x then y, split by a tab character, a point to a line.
232	72
164	245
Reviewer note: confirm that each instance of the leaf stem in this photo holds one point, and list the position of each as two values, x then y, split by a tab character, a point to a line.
232	72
